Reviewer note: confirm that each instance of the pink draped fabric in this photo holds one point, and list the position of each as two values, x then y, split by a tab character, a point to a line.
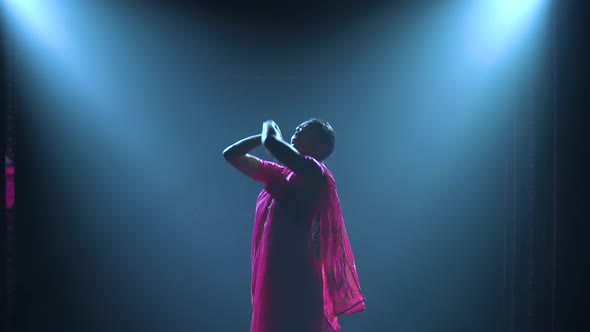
341	288
294	289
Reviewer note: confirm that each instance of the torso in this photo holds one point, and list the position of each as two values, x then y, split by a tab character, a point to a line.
292	274
293	216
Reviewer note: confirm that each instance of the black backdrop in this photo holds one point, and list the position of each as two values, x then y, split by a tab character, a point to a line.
546	284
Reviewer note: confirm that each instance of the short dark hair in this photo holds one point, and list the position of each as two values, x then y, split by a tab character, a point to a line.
325	135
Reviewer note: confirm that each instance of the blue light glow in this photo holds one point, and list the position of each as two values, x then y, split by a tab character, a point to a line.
133	107
494	28
40	20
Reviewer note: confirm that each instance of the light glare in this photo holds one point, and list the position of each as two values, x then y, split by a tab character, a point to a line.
39	19
494	28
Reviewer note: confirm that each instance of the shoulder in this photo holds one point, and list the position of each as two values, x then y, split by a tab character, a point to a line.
268	170
318	173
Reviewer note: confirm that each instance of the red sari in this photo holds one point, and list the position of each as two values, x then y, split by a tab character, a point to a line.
300	282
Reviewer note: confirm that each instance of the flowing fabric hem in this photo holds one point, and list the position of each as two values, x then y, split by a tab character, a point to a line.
346	312
349	310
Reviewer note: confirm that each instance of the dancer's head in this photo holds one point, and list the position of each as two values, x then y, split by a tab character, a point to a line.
314	138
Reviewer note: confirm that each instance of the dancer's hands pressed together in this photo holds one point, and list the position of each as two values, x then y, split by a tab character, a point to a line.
285	153
270	128
271	137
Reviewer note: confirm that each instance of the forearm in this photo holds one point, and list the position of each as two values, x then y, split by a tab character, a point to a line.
242	147
274	143
280	149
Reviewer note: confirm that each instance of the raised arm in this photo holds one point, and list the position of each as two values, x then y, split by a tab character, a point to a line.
237	155
285	153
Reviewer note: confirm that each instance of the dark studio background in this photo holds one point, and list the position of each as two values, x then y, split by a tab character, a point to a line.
463	215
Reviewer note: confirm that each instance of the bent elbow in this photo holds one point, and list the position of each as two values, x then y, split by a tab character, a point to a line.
227	154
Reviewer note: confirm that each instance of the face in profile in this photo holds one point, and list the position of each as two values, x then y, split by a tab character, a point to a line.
304	139
314	138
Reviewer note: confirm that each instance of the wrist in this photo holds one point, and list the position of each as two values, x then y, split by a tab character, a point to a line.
270	128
